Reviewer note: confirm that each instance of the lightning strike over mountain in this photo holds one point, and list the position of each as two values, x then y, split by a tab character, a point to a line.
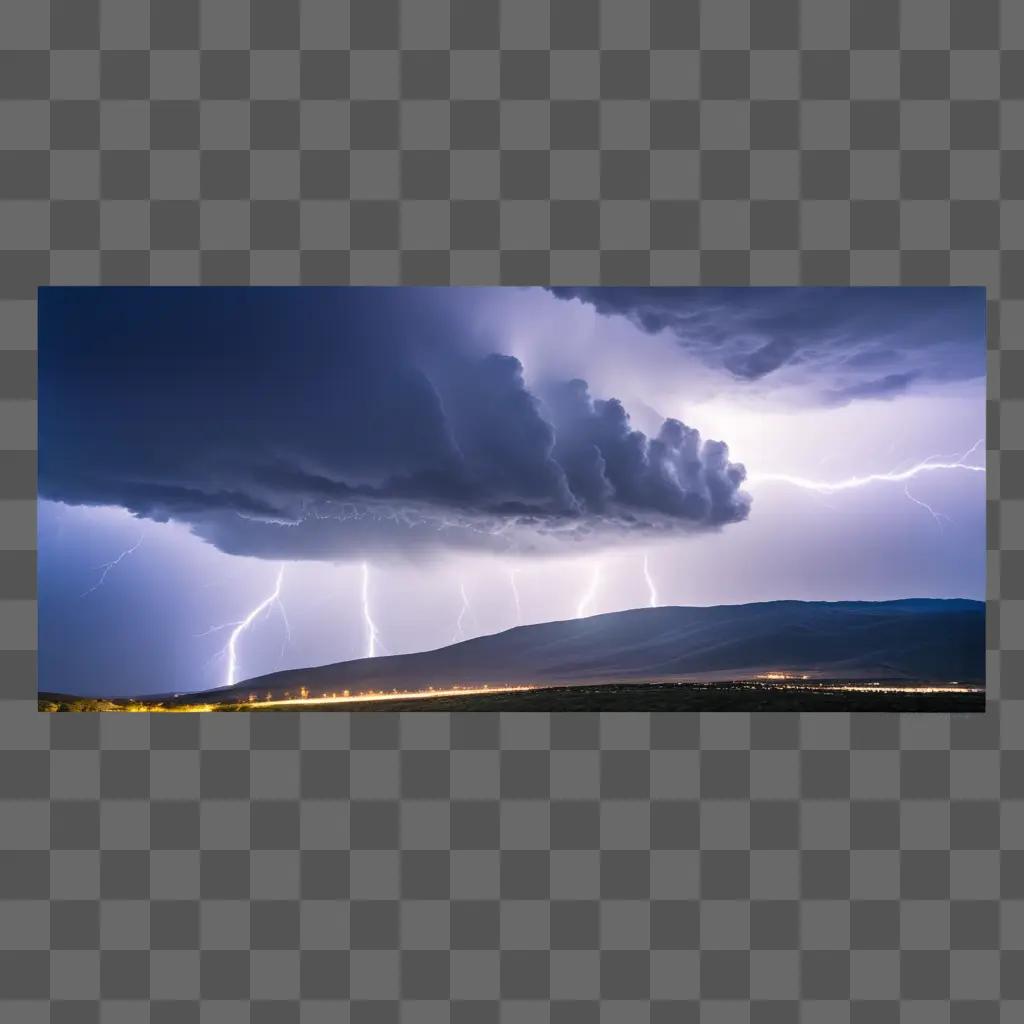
461	437
107	566
372	637
460	632
287	638
515	595
241	627
651	589
587	599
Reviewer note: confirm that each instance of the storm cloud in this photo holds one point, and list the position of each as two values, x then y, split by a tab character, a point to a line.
834	345
609	464
336	423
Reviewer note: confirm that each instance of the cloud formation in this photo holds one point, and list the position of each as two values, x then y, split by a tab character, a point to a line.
836	345
610	465
339	423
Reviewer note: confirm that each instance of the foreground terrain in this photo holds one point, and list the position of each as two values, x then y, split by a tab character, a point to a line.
744	695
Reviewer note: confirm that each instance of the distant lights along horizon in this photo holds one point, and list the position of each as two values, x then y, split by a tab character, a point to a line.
384	695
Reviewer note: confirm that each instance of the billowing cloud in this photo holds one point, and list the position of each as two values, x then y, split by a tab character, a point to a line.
834	345
340	423
610	465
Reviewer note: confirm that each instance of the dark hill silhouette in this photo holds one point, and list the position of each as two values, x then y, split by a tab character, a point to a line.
919	639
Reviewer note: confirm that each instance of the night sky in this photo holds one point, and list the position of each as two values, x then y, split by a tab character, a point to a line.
329	473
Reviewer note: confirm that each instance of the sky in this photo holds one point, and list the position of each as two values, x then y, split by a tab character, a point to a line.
238	480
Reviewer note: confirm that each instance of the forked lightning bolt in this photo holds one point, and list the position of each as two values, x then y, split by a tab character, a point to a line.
831	487
241	627
589	594
107	566
937	516
372	637
651	589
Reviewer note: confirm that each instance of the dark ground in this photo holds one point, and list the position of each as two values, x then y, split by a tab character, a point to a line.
674	697
734	696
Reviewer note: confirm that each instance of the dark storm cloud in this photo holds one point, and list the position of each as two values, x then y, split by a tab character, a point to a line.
334	423
881	387
770	356
609	463
835	344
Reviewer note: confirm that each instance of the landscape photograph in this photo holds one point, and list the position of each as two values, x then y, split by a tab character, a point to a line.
511	499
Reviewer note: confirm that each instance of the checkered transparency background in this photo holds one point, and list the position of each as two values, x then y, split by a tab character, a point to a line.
516	868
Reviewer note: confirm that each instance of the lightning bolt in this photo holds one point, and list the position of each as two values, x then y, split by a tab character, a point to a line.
372	637
287	638
347	511
515	595
460	633
588	595
652	590
107	566
241	626
831	487
937	516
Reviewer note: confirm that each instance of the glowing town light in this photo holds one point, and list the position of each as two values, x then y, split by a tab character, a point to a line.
382	695
515	595
241	627
831	487
651	589
372	637
588	595
107	566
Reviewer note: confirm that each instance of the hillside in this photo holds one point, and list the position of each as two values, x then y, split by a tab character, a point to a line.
916	639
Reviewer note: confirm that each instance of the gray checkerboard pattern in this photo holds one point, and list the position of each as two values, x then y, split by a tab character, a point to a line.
517	868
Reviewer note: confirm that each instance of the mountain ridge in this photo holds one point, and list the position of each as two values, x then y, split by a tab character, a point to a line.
940	639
